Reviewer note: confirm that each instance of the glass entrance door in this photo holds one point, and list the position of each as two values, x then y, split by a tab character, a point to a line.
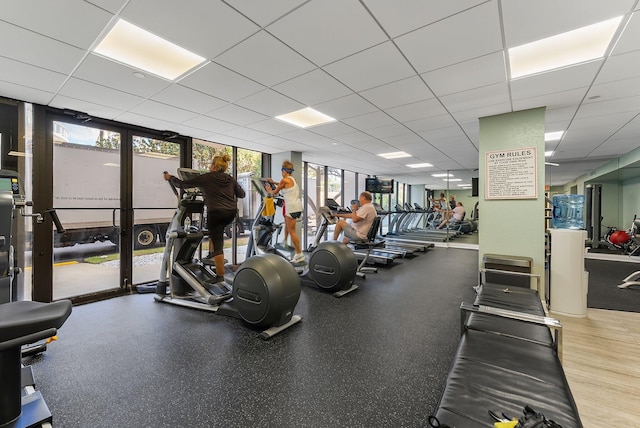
86	196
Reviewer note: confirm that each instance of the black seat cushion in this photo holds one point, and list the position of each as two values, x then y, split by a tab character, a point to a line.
19	319
509	327
512	298
492	372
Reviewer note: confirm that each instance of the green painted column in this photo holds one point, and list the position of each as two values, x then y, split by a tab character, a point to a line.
510	224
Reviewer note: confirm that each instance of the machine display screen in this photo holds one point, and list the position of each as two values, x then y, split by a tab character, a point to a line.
10	183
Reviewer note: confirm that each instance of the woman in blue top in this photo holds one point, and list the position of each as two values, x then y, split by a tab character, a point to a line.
290	191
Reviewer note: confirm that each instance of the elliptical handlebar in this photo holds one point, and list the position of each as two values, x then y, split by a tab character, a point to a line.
173	187
186	174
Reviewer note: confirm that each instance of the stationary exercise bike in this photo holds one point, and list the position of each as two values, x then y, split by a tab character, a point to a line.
332	266
265	289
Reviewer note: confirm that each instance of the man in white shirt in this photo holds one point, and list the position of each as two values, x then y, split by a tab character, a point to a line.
361	217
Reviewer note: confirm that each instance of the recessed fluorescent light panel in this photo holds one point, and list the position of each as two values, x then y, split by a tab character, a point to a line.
549	153
394	155
442	175
135	47
452	179
553	136
305	118
563	50
419	165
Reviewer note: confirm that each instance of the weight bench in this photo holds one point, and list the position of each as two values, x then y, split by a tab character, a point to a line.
22	323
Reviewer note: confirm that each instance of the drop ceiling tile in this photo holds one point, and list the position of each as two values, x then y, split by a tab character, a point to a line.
264	13
111	74
384	132
332	129
470	34
370	120
188	99
90	108
52	19
272	126
614	148
620	67
417	110
236	114
628	41
220	82
324	31
405	140
477	72
313	88
525	22
265	59
398	93
308	138
613	90
163	112
345	107
246	134
474	98
90	92
30	76
625	106
142	120
433	122
553	100
111	5
207	28
270	103
401	17
579	76
352	138
560	115
373	67
35	49
482	111
210	124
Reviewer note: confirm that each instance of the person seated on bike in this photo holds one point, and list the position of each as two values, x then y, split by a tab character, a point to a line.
361	215
457	214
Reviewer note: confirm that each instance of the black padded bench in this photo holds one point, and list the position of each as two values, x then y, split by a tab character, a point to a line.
507	358
23	323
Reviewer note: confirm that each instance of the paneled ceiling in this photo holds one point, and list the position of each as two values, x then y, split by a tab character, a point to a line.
406	75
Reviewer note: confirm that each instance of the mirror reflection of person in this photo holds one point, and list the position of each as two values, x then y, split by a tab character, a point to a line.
221	193
457	214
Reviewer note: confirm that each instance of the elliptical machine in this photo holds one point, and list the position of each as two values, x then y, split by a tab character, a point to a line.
265	288
332	266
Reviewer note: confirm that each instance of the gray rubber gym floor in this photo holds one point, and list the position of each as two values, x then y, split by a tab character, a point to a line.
377	357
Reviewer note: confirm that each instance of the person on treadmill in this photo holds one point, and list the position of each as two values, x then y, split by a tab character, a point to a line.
221	192
290	191
361	215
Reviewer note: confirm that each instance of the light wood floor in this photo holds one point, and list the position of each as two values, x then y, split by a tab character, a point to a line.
602	363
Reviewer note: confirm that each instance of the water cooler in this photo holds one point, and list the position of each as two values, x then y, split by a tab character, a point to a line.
568	279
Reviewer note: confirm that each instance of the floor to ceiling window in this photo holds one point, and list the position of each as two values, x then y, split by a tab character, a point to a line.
153	203
315	191
248	163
